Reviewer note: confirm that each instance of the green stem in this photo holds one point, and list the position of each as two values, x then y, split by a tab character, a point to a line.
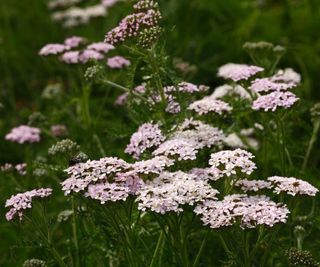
196	261
158	248
312	141
74	231
281	144
85	105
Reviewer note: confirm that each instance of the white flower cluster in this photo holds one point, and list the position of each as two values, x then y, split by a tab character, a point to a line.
209	104
170	191
231	162
249	211
147	136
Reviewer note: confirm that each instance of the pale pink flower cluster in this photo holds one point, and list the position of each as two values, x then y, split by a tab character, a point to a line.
22	201
21	168
170	191
131	25
24	134
209	174
111	179
93	51
184	143
147	136
90	172
249	211
208	104
267	85
53	49
275	100
118	62
231	162
74	41
58	130
292	186
238	72
253	185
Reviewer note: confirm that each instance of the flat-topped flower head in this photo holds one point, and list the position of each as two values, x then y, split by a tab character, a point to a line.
208	104
148	135
20	202
118	62
24	134
89	54
70	57
53	49
238	72
154	165
287	75
83	174
268	85
182	149
170	191
292	186
253	185
275	100
74	41
101	47
231	162
249	211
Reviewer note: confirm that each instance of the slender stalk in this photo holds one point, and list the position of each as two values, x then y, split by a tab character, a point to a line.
75	232
204	241
158	248
312	141
85	105
281	144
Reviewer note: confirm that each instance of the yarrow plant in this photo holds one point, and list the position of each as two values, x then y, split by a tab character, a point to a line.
194	167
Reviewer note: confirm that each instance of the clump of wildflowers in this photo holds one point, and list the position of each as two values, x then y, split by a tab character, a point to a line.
22	201
24	134
34	263
118	62
65	146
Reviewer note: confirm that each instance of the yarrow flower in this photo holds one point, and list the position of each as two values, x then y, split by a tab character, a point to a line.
237	72
275	100
208	104
292	186
230	162
21	168
53	49
267	85
249	211
253	185
58	130
83	174
147	136
154	165
131	25
101	47
71	57
228	90
170	191
118	62
24	134
74	41
22	201
89	54
207	174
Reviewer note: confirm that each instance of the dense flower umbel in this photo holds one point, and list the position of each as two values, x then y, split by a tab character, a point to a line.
186	87
231	162
147	136
249	211
292	186
22	201
208	104
237	72
253	185
275	100
131	25
74	41
53	49
118	62
24	134
170	191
